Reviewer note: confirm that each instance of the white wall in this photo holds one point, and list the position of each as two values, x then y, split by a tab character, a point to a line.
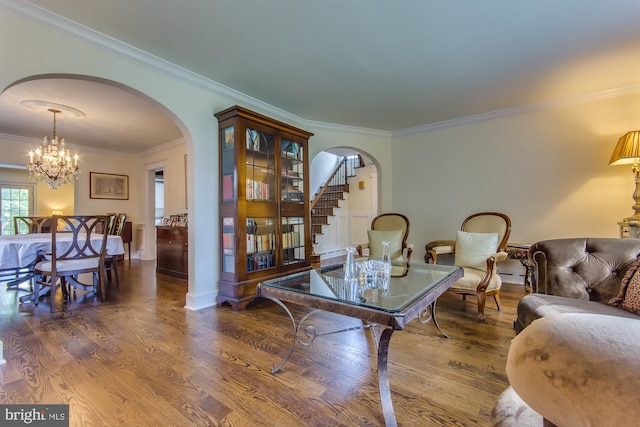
546	168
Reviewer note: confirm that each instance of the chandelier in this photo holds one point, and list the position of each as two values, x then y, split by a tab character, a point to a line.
52	163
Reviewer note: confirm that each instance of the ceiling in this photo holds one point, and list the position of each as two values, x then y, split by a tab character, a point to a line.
373	64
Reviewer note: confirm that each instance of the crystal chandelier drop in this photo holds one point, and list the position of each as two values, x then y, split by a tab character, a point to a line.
52	163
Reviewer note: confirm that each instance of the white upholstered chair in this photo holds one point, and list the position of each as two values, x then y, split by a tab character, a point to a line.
394	228
480	244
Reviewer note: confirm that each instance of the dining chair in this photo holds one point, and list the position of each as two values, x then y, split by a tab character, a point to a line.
31	224
480	245
25	225
79	250
111	263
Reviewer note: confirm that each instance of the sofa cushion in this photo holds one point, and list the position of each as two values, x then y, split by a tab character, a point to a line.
473	249
632	298
628	297
535	306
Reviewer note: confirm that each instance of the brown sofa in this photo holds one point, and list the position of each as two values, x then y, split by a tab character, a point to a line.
577	275
571	344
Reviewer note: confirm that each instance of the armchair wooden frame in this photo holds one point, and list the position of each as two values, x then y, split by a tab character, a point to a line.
448	246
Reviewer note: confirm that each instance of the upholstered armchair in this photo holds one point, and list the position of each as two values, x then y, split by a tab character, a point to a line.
480	244
394	228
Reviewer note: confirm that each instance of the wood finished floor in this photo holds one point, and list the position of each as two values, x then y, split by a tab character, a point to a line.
141	359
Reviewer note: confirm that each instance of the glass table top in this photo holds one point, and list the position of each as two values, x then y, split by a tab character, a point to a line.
328	282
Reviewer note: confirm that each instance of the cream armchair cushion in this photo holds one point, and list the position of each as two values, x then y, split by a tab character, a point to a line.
394	237
473	249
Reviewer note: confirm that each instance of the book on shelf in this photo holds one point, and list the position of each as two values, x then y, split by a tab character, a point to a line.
290	239
227	240
257	189
227	187
251	243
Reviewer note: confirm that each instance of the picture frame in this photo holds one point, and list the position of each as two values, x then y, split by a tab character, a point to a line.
166	220
108	186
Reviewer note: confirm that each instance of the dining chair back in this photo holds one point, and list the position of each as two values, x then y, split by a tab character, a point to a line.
31	224
111	263
80	249
19	275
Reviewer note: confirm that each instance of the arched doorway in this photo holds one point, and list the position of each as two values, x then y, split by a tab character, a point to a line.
345	225
119	131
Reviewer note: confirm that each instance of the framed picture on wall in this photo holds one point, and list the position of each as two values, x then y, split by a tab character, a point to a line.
108	186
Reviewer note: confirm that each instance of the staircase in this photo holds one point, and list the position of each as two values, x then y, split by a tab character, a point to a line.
329	196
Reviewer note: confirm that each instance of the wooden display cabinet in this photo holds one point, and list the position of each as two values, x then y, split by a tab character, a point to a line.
265	222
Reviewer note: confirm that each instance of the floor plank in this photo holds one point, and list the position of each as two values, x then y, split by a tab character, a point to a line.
142	359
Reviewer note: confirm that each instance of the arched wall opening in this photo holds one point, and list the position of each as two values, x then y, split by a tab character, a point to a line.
135	111
348	225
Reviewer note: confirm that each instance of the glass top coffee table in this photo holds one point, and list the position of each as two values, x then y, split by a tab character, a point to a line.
409	297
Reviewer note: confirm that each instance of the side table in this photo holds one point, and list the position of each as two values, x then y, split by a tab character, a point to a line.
521	253
629	229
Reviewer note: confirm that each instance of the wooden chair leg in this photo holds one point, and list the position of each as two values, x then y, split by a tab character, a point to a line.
52	293
498	302
114	266
481	303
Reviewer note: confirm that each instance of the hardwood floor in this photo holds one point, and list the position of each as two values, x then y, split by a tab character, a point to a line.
141	359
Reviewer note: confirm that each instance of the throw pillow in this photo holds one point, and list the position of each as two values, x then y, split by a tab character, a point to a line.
394	237
473	249
628	297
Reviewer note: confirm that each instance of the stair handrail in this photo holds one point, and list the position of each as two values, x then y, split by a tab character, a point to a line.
341	166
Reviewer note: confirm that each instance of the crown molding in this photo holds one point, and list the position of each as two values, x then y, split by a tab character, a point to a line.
562	102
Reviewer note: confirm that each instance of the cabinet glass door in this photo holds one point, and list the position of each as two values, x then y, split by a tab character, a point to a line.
260	243
228	245
292	183
260	179
228	162
293	239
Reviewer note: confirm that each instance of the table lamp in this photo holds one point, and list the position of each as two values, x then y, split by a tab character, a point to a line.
627	152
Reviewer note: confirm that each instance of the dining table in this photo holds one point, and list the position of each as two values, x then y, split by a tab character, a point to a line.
19	253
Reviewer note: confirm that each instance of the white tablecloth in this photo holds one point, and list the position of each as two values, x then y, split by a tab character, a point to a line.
20	250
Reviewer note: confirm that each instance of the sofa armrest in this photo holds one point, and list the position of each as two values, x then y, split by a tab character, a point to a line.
578	369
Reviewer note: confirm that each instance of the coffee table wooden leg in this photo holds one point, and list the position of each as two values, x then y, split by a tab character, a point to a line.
383	378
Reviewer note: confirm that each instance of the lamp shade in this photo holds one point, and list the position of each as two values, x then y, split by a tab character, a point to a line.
627	150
